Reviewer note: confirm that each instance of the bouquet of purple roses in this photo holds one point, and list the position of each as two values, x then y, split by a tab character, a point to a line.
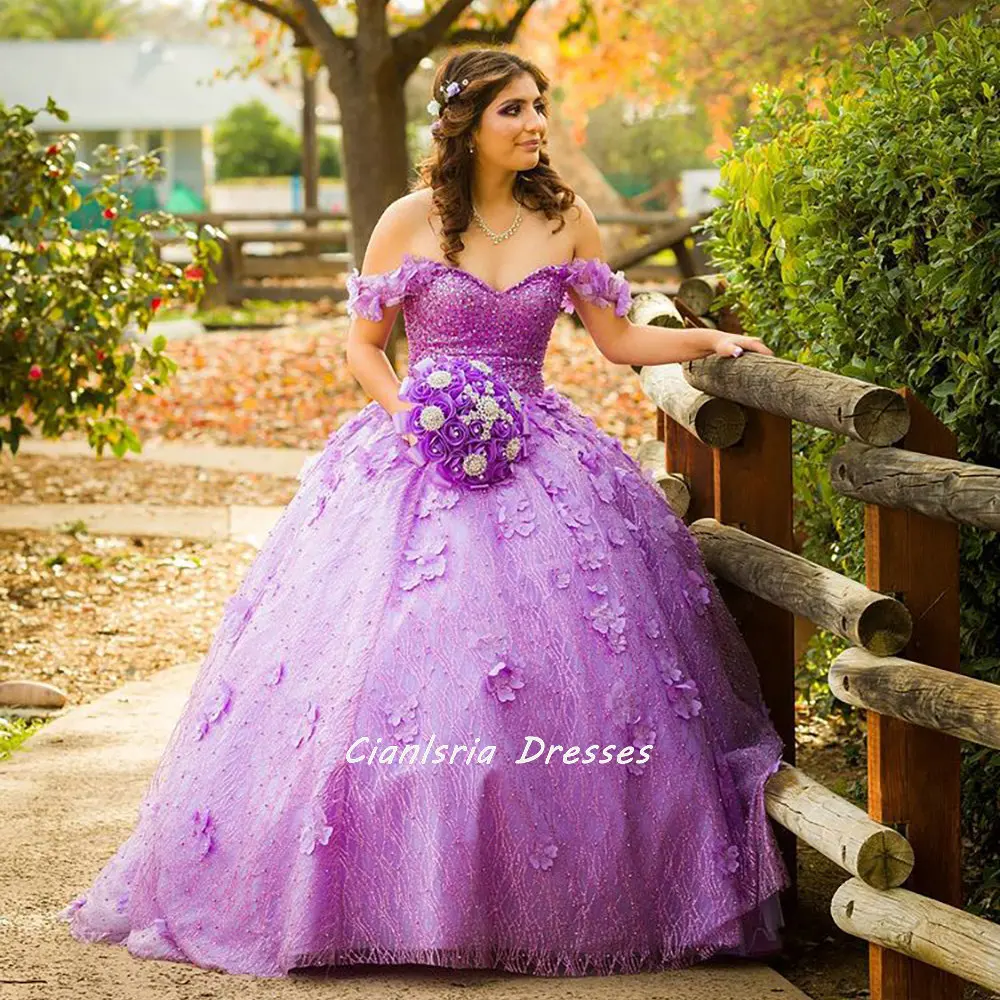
467	420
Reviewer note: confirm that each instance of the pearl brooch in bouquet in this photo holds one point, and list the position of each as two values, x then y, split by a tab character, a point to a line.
468	422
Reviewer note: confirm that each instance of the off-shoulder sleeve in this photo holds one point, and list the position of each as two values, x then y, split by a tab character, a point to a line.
369	294
593	278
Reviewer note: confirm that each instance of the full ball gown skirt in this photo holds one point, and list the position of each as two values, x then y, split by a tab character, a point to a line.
385	609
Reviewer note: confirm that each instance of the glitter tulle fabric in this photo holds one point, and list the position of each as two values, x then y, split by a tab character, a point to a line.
384	610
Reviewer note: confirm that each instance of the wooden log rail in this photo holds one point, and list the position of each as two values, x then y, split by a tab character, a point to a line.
944	488
874	621
838	403
903	625
838	829
926	696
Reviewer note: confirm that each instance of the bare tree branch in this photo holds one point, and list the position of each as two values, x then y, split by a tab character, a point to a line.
410	46
320	33
490	36
277	14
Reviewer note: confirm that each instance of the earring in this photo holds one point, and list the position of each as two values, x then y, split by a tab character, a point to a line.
472	149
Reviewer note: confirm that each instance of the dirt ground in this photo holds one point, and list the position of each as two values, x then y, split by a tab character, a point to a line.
88	613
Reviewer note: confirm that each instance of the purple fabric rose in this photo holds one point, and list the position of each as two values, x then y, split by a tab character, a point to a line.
468	422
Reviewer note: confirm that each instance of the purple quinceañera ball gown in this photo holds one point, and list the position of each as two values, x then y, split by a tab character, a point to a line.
566	606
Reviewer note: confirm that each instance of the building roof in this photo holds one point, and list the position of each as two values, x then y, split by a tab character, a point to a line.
128	83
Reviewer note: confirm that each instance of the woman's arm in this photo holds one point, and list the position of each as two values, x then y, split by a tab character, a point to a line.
626	343
366	338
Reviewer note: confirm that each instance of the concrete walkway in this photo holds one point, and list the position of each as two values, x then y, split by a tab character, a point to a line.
71	795
286	462
235	522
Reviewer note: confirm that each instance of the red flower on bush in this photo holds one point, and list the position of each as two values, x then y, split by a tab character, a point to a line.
156	302
35	372
101	355
194	273
53	149
109	213
19	335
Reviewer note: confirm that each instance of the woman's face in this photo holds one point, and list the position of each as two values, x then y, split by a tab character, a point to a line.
511	120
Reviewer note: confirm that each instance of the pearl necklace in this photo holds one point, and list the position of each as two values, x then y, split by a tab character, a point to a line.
498	237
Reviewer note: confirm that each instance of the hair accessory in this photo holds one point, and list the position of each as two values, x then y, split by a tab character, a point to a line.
449	90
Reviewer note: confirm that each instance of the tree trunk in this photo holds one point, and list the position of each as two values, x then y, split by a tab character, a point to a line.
376	166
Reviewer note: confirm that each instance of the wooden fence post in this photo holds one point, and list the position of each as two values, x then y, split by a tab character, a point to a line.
749	485
913	771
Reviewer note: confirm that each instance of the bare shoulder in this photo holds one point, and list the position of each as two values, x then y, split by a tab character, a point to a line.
583	226
394	232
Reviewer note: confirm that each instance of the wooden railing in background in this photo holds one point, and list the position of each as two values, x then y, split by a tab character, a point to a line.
723	456
314	246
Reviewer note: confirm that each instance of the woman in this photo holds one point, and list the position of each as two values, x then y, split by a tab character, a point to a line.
477	701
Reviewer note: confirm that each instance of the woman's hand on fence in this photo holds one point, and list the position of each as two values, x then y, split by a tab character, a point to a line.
732	345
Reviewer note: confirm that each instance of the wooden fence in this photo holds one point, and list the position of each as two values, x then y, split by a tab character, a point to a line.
723	455
264	246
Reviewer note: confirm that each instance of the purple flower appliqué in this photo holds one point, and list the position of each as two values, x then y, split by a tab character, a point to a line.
203	829
236	614
428	562
320	507
696	591
437	498
307	726
215	708
643	734
621	702
559	577
682	692
653	628
542	855
604	486
573	512
608	618
590	459
75	905
503	679
730	858
594	280
593	554
402	719
550	482
316	829
122	905
276	675
515	517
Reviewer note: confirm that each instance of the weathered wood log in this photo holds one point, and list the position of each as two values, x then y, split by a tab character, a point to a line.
953	703
864	617
925	929
945	488
698	293
713	421
866	412
31	694
651	456
716	422
838	829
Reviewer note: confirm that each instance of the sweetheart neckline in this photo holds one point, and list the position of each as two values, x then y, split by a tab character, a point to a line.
486	284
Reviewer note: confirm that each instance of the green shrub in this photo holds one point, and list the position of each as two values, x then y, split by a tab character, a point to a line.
73	302
863	237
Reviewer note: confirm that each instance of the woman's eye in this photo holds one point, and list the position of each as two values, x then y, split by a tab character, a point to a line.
539	107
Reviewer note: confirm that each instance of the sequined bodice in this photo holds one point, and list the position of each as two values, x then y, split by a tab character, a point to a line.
450	310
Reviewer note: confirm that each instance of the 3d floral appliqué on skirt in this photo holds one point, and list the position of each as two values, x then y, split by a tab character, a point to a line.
510	727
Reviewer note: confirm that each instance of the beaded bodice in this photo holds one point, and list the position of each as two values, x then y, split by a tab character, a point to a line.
452	311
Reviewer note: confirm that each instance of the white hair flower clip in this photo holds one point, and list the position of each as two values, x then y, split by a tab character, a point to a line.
449	91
